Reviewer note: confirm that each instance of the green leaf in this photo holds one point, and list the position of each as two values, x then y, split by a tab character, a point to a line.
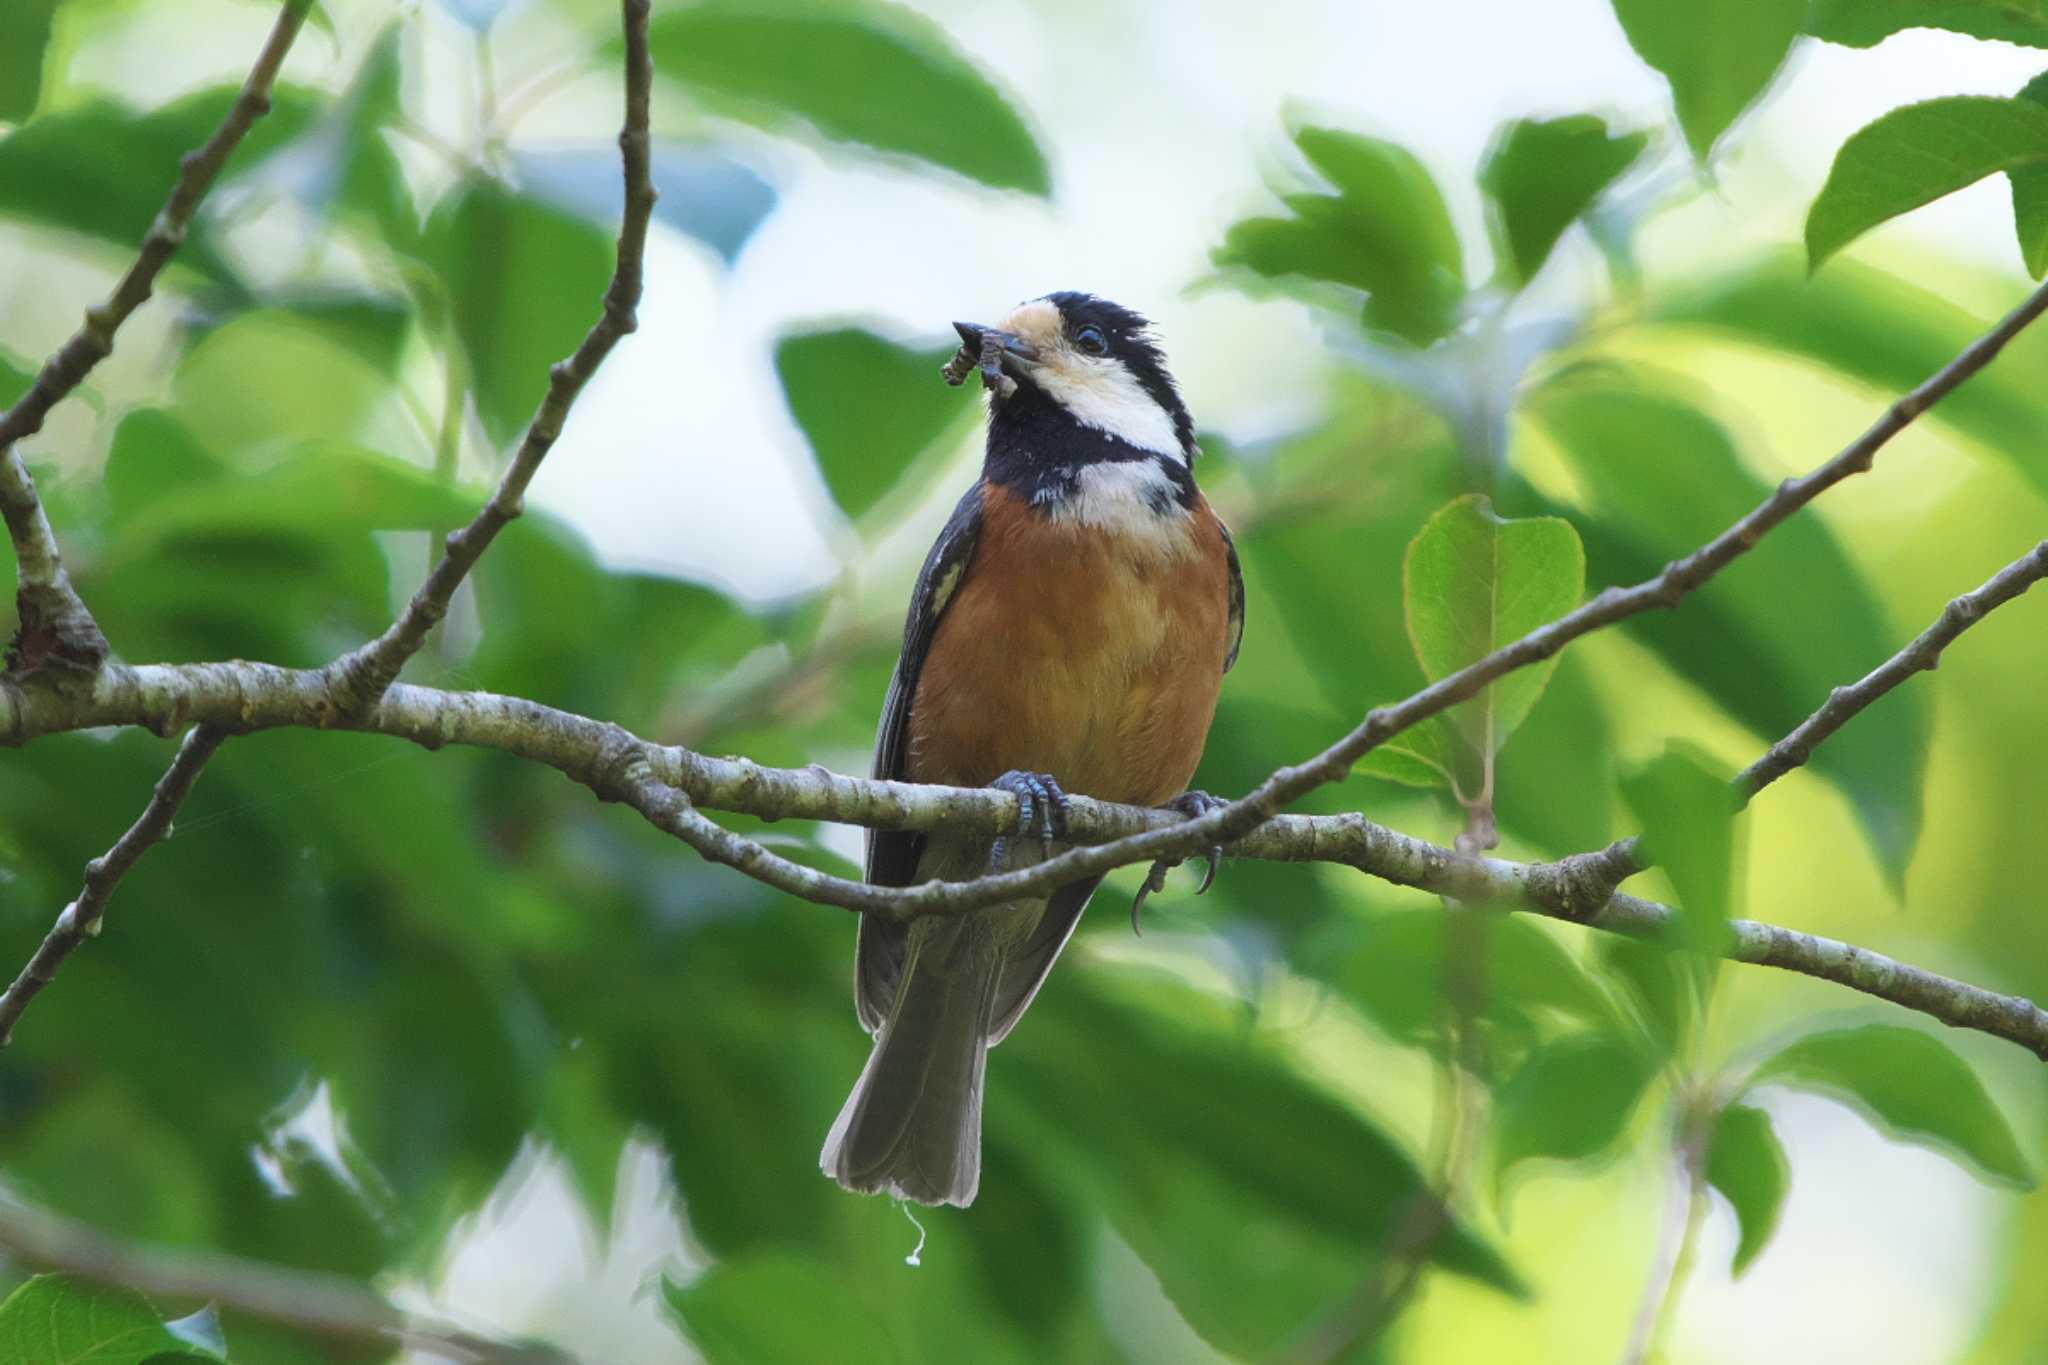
1866	23
1887	333
1424	755
63	1320
870	73
1661	478
1569	1102
1397	973
269	377
2030	196
1473	582
868	406
1688	814
524	282
1747	1164
1663	986
1219	1206
1915	155
15	380
24	34
1911	1086
1718	55
776	1306
1541	175
104	170
1385	232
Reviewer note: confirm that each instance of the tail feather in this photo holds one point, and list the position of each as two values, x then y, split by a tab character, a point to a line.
913	1123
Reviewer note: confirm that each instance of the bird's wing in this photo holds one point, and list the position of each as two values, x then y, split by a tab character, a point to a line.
893	854
1236	596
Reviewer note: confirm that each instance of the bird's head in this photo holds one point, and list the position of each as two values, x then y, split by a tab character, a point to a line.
1088	373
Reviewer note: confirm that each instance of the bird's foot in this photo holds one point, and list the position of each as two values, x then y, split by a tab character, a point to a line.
1041	811
1191	804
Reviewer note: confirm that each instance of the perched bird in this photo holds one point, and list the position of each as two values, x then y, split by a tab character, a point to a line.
1070	630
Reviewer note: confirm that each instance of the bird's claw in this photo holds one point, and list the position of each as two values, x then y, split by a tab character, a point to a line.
1041	811
1191	804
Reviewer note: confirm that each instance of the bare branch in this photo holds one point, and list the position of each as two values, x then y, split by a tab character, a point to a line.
362	675
332	1307
619	766
56	628
80	920
1922	654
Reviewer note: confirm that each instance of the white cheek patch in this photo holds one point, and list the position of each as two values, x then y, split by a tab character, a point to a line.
1104	395
1133	499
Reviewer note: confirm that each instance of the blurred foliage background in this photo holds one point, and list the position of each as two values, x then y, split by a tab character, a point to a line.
441	1022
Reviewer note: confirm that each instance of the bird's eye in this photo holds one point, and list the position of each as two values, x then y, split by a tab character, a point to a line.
1091	340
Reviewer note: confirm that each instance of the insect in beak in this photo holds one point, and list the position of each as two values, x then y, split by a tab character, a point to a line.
985	349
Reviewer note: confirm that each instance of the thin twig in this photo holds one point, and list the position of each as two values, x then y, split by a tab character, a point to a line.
1922	654
80	920
362	675
1683	1217
618	765
332	1307
56	627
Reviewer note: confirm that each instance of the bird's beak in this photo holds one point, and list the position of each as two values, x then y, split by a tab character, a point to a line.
972	336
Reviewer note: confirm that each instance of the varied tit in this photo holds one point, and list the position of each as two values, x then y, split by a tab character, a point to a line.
1070	630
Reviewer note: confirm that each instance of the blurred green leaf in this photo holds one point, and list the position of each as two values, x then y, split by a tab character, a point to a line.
1912	1087
15	380
268	378
1540	175
1663	987
1917	154
775	1307
1866	23
858	71
524	281
1219	1206
868	406
705	192
2030	194
1424	755
1718	55
1886	332
104	170
1473	582
1688	814
1385	232
1570	1101
1396	973
63	1320
24	34
1661	478
1747	1164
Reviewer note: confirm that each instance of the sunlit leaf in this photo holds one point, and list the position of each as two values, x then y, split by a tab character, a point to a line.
2030	194
1746	1164
268	378
868	406
1570	1101
62	1320
1917	154
1541	175
1866	23
1688	810
1385	232
1887	333
24	34
1718	55
1473	582
859	71
1662	478
1912	1087
524	280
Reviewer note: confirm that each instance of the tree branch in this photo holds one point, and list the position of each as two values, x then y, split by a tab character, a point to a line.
362	675
332	1307
1922	654
672	787
80	920
55	625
